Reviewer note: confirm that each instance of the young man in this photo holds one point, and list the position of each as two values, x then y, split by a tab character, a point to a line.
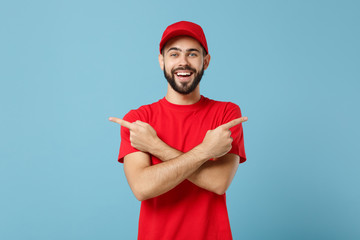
181	153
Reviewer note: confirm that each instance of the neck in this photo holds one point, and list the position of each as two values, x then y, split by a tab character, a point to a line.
181	99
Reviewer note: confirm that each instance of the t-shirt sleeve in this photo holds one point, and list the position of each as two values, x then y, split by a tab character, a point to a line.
125	144
233	112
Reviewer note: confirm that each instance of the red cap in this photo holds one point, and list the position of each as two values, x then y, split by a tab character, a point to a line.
184	28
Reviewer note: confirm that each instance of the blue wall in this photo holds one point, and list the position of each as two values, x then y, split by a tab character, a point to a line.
66	66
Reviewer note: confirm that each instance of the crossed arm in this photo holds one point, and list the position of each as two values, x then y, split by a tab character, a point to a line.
147	181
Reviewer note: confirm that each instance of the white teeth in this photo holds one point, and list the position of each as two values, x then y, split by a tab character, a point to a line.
183	74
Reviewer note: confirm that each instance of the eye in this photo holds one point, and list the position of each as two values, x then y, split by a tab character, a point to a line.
173	54
192	54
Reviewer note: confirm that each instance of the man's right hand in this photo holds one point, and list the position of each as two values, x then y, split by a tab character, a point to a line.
143	137
217	142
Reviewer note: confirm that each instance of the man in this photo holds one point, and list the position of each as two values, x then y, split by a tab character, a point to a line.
181	153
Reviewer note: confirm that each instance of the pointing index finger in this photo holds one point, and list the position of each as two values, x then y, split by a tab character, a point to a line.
121	122
234	122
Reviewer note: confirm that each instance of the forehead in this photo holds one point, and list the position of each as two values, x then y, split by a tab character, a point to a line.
182	42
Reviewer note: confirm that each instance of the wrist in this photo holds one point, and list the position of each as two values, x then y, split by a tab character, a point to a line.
202	152
155	146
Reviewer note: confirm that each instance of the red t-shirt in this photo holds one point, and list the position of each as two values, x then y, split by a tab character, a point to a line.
187	211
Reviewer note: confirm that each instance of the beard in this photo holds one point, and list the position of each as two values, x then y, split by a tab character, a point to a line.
184	88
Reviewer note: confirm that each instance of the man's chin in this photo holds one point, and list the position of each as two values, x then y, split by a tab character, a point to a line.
182	89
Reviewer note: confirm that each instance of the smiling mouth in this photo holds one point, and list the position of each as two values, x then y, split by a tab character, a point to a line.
183	74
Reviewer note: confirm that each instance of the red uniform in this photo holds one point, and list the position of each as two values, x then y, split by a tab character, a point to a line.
187	211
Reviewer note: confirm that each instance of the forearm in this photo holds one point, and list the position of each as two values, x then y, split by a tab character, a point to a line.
209	176
163	151
216	176
152	181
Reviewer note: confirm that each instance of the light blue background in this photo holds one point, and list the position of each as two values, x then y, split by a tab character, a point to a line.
66	66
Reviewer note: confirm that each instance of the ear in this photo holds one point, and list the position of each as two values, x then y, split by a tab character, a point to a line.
161	61
206	61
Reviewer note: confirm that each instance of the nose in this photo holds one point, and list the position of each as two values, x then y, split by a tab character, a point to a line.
183	61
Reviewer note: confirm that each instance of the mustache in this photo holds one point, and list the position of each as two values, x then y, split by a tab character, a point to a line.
183	68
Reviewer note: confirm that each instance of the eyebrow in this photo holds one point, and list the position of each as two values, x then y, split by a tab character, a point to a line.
187	50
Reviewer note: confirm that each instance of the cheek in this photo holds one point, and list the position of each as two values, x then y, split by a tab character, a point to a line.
198	64
168	68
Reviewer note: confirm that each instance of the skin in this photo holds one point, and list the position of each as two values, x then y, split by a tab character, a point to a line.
148	181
